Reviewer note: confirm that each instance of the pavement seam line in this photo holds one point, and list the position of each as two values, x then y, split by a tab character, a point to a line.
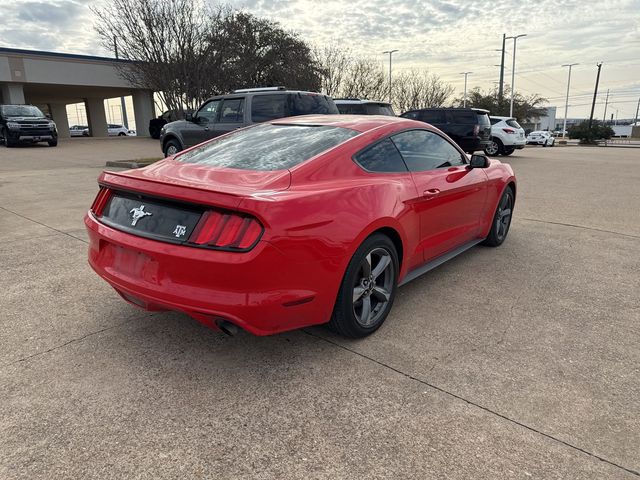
44	225
580	226
469	402
73	340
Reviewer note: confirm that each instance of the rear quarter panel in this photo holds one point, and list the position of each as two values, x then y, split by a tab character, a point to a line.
499	176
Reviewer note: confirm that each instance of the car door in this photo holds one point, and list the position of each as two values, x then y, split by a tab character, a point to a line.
231	116
450	197
202	126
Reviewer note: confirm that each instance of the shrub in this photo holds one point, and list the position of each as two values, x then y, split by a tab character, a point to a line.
597	132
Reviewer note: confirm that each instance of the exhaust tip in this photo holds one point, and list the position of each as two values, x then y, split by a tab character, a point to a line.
228	328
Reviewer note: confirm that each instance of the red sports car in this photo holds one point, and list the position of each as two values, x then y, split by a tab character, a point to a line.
296	222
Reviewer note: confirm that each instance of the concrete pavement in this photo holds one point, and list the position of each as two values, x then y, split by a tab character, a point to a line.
515	362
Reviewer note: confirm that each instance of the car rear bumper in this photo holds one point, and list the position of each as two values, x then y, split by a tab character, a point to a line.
261	291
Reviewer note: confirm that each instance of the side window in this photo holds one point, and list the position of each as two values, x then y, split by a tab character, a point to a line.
381	157
232	111
464	117
433	116
423	150
494	120
267	107
412	115
209	111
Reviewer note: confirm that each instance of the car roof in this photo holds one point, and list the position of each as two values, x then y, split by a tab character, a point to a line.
262	92
501	118
360	123
449	109
355	101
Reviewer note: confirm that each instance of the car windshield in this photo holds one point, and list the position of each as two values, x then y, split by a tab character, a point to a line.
21	111
268	147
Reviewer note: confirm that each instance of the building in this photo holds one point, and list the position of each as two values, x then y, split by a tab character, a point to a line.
544	122
59	79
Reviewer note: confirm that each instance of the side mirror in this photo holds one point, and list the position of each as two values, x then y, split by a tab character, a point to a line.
478	161
188	117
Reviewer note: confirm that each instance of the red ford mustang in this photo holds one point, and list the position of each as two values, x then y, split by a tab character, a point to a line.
296	222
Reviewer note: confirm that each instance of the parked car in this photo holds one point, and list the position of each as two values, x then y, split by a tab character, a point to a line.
77	130
355	106
507	136
541	137
225	113
468	127
296	222
156	124
26	123
113	130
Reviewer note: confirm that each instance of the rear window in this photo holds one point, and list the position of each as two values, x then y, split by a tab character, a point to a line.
351	108
464	117
270	107
268	147
379	109
513	123
483	119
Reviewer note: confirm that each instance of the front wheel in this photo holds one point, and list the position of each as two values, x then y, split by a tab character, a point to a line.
53	143
368	288
171	148
501	219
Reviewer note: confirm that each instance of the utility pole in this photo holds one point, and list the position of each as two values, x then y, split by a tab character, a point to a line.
464	103
566	105
390	52
123	105
637	108
595	93
606	102
501	89
513	71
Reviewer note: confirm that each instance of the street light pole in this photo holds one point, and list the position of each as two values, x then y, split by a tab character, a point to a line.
464	102
566	105
123	105
513	71
606	104
390	52
501	90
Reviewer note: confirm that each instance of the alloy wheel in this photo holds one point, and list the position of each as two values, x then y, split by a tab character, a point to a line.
171	150
373	286
503	217
493	148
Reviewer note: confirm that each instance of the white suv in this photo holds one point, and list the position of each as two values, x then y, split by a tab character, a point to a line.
506	136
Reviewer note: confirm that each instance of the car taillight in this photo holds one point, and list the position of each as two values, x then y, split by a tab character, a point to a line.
508	130
100	201
228	231
476	130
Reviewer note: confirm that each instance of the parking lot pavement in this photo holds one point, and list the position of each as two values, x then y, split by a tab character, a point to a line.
516	362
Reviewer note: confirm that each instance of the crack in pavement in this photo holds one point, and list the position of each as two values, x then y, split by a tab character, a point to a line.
474	404
579	226
44	225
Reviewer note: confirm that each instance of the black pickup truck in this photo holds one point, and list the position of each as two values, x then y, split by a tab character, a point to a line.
26	123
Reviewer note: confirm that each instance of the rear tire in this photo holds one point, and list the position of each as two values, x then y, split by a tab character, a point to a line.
368	288
495	148
501	219
508	151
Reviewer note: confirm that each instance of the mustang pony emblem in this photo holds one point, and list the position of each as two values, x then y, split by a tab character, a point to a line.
137	214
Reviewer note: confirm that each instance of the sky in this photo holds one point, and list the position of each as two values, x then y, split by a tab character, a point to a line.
446	37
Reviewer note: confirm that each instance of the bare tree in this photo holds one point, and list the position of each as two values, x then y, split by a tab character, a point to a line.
333	62
187	51
414	89
364	78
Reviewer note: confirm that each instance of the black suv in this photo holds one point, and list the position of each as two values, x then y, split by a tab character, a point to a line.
355	106
224	113
468	127
26	123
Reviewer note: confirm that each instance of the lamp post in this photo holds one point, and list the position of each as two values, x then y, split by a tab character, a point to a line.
390	52
566	105
513	71
466	74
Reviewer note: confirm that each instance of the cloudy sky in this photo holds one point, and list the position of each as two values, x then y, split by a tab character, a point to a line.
445	36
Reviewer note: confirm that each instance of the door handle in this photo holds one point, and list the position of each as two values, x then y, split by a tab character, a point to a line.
431	193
